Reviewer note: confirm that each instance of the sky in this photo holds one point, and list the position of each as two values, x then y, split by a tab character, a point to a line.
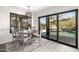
67	15
43	20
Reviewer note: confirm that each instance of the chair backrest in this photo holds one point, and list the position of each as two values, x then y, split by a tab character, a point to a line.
13	33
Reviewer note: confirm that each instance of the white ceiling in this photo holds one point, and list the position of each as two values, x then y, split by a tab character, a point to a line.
33	8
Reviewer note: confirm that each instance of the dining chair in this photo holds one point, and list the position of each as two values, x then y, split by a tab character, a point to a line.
36	37
25	38
16	36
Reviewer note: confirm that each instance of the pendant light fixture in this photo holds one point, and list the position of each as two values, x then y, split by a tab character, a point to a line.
28	13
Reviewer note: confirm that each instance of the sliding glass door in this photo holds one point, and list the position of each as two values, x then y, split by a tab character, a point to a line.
43	26
67	28
53	27
61	27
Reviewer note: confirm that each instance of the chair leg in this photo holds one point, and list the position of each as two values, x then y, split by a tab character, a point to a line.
17	43
13	40
31	44
23	44
39	41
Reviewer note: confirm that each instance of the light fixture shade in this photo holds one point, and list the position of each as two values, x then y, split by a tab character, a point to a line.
29	13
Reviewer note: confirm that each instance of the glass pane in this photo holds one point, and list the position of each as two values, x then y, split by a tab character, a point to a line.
43	26
12	22
67	28
18	23
25	24
53	27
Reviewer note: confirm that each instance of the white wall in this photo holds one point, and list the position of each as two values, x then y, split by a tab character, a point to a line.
52	10
5	21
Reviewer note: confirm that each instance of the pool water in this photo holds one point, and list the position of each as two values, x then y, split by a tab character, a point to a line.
67	34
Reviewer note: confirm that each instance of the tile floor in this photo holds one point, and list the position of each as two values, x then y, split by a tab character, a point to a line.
47	46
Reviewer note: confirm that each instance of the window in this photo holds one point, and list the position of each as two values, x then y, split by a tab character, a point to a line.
43	26
67	27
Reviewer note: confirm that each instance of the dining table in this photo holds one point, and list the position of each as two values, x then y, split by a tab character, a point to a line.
30	35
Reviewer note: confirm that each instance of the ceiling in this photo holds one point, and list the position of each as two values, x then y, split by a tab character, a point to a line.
33	9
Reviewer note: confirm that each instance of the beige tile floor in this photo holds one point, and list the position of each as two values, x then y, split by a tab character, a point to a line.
47	46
